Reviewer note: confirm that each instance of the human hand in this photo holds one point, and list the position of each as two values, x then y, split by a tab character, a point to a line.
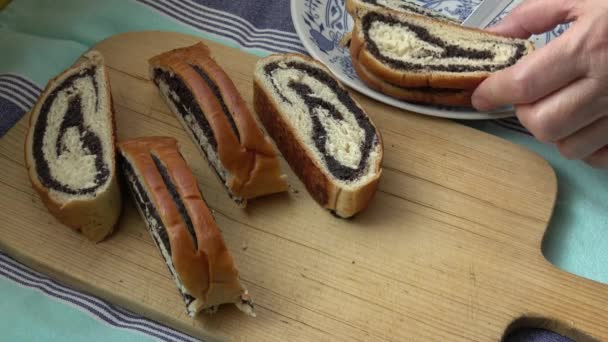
560	91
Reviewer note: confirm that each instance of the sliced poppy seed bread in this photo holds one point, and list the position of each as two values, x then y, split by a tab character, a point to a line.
325	136
213	113
70	150
181	225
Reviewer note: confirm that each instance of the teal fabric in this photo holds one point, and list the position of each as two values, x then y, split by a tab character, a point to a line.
29	315
41	38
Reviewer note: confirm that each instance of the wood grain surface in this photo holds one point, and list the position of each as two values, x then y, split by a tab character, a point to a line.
449	249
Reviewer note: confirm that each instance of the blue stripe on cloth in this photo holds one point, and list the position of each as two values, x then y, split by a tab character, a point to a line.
263	14
224	24
8	94
27	83
19	87
108	313
10	113
230	19
17	96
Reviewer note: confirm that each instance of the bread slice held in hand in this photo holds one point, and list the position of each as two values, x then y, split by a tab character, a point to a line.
181	225
325	136
213	113
413	51
70	149
406	6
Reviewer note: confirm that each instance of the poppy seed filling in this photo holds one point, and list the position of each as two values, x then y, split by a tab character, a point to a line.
314	102
187	107
218	94
186	104
176	198
155	225
449	50
73	118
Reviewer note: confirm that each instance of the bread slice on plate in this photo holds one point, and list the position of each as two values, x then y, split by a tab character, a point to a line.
206	102
426	95
181	225
407	6
413	51
69	149
324	134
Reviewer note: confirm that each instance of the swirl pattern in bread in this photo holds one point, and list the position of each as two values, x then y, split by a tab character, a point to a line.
70	149
327	138
412	51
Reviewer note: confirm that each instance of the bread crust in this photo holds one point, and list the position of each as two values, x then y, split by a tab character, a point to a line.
252	162
448	97
343	202
355	7
403	78
207	271
97	217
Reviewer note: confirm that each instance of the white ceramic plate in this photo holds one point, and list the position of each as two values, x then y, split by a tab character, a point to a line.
320	24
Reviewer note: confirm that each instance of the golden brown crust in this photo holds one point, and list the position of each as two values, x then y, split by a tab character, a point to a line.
403	78
357	8
252	162
207	272
95	218
351	7
344	203
317	183
454	97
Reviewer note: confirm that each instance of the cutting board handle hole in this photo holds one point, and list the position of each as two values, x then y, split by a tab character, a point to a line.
514	331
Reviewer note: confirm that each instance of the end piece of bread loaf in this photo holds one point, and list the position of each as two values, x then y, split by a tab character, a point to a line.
181	225
206	102
413	51
325	136
406	6
70	149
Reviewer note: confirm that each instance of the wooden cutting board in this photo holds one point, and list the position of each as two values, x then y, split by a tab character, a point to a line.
449	249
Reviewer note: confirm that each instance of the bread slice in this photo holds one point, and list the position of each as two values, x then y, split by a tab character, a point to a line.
405	6
208	105
427	95
70	150
181	225
324	134
412	51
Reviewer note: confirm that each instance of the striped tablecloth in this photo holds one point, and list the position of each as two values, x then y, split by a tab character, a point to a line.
41	38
